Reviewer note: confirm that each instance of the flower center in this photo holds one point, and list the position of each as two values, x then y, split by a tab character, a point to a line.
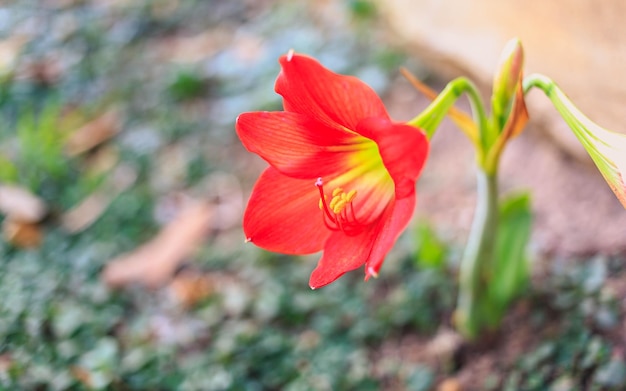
338	214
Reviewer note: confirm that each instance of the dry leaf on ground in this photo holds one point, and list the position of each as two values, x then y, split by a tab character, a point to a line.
189	287
449	384
21	234
10	50
6	361
82	375
156	261
20	204
102	160
46	70
194	48
91	208
93	133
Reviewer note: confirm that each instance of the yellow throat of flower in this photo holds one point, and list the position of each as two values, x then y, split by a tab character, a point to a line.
338	214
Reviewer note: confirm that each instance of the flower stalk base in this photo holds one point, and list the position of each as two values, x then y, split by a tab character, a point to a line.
472	313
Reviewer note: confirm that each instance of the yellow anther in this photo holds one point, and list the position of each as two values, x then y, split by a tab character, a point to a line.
350	196
334	213
338	207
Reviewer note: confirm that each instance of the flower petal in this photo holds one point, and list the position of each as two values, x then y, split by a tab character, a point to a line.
403	148
309	88
394	223
343	253
297	145
283	215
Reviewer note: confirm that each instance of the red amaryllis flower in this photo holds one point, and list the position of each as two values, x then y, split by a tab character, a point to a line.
342	174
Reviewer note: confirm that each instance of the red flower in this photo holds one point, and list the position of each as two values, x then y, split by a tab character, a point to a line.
342	174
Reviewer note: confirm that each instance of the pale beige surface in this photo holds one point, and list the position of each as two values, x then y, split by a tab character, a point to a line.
579	44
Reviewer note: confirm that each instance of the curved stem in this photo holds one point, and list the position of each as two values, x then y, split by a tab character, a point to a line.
478	109
576	120
606	148
431	117
477	258
540	81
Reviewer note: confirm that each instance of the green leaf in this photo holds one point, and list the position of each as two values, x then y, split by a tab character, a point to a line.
431	250
362	9
41	139
510	269
187	85
8	170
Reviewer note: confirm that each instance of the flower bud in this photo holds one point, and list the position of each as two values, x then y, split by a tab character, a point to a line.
606	148
507	80
508	108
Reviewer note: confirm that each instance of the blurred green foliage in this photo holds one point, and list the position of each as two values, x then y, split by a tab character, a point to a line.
362	9
187	85
61	327
431	251
574	354
267	332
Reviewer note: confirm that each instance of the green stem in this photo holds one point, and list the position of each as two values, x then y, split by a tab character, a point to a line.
431	117
575	119
593	138
477	258
540	81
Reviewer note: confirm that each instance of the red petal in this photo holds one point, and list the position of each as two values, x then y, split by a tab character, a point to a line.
394	223
403	148
283	215
309	88
297	145
343	253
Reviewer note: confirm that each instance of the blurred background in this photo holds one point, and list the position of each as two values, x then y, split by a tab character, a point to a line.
122	185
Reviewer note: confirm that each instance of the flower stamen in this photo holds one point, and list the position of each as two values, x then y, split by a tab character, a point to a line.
338	214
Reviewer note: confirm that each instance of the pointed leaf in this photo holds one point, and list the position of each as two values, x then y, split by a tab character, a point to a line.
510	270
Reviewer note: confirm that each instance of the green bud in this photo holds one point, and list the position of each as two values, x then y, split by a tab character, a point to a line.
606	148
507	80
